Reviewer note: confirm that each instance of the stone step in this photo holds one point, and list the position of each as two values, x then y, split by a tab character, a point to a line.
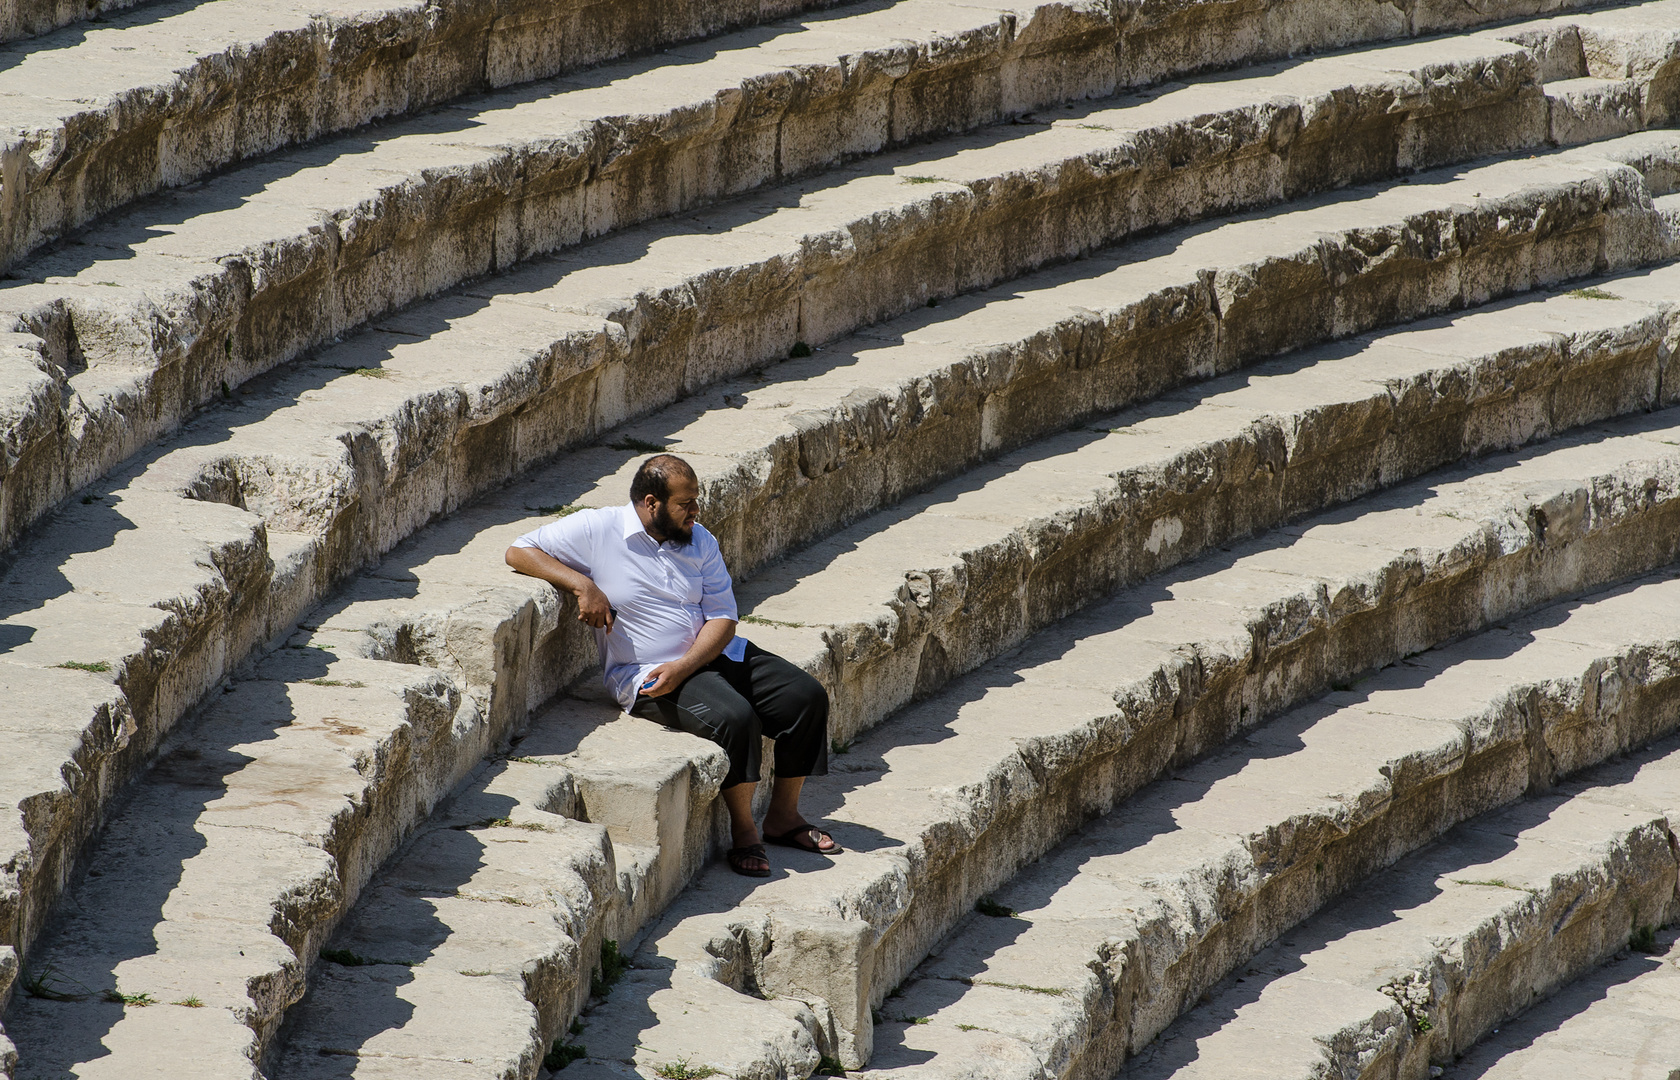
1121	928
169	93
660	840
1412	968
123	336
934	819
320	485
1618	1021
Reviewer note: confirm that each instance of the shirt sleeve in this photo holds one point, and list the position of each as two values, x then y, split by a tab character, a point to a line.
717	591
567	539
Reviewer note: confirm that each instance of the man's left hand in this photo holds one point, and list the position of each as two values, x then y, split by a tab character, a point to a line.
667	677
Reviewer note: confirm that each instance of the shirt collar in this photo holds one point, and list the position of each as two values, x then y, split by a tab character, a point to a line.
632	524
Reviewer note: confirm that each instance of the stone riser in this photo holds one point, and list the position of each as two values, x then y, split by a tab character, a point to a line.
142	383
1197	922
1577	873
242	615
1606	1025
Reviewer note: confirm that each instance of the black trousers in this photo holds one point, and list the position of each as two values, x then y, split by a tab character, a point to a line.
736	703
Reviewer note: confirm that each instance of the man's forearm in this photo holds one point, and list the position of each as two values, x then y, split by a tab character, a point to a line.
708	644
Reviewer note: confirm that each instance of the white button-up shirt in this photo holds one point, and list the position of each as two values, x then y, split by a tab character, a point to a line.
663	592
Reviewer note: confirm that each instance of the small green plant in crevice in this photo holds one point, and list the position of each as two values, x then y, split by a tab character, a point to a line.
1421	1025
917	1020
1492	883
226	393
829	1067
989	907
1593	293
351	683
630	442
613	966
972	1027
80	665
921	179
88	500
555	509
760	620
562	1054
346	958
836	747
1047	991
1643	939
680	1069
577	1026
189	1002
139	1001
50	984
799	351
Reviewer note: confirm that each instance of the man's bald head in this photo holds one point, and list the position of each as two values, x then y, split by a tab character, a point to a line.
656	474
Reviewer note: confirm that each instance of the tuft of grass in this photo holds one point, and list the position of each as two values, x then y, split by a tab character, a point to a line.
367	372
759	620
680	1069
562	1054
79	665
1047	991
1593	293
1492	883
336	682
139	1001
799	351
555	509
530	760
613	966
1643	940
88	500
346	958
921	179
577	1026
971	1027
917	1020
836	747
475	973
226	393
46	983
189	1002
1421	1025
829	1067
987	906
630	442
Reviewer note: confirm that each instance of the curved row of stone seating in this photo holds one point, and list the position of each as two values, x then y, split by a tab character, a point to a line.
163	307
133	604
292	490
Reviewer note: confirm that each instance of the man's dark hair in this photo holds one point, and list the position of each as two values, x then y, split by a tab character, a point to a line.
655	475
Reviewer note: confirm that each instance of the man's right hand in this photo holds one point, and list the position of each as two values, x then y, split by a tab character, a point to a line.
593	607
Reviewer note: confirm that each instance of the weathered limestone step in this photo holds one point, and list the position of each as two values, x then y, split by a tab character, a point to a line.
1120	929
142	324
210	894
1412	968
440	949
1613	1023
162	96
953	796
323	481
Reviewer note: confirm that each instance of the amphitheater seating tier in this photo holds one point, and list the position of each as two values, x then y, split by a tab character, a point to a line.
1217	458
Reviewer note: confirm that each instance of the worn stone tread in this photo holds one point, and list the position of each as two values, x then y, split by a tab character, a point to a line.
1124	925
1411	968
317	486
1619	1021
315	229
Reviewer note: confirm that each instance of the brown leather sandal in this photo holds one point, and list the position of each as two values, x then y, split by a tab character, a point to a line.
738	860
806	837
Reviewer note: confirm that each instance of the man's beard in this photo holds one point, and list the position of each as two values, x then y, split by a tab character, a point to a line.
668	527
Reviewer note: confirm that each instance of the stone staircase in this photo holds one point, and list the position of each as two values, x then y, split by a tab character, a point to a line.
1129	458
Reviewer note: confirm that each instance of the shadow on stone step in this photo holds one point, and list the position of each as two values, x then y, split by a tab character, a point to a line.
371	981
113	933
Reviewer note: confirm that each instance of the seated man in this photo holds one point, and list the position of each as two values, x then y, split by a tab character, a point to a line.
651	580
